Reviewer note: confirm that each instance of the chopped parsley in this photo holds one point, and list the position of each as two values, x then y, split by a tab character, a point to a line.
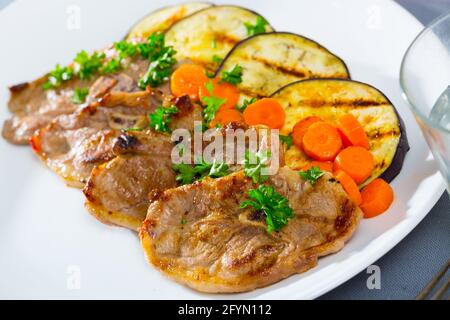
79	95
287	140
214	43
161	118
274	205
212	103
234	76
216	59
257	28
190	173
312	174
125	49
112	66
161	61
245	104
254	163
58	76
87	65
183	221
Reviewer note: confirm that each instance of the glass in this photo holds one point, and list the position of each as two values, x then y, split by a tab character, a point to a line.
425	81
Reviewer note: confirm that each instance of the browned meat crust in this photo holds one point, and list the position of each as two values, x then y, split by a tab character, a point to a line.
198	235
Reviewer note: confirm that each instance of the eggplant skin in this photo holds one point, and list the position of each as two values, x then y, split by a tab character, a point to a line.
163	18
211	32
332	98
273	60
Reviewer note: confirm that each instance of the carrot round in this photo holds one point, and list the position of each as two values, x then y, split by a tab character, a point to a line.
352	132
377	197
350	186
323	165
357	162
222	90
225	117
300	128
321	141
266	111
187	80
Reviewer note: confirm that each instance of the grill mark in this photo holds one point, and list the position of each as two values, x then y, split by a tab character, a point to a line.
223	38
382	135
355	104
283	69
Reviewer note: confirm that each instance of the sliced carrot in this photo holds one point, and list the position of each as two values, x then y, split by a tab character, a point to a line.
266	111
35	142
323	165
352	132
357	162
222	90
349	186
225	117
187	80
377	197
300	128
322	141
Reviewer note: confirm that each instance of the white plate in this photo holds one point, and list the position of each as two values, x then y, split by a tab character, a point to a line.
46	236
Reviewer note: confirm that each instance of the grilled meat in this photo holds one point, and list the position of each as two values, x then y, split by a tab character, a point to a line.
198	235
118	191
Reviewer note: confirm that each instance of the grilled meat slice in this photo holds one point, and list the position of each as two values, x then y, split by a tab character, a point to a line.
33	107
118	191
198	235
73	144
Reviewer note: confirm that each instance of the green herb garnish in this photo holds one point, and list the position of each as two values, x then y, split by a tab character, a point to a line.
312	174
245	104
190	173
161	61
87	65
234	76
287	140
161	118
274	205
58	76
214	43
216	59
183	221
212	103
257	28
254	163
112	66
79	95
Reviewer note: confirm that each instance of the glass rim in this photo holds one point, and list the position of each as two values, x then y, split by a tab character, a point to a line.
403	86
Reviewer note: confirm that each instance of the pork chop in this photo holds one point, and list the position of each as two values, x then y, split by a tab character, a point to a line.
199	236
117	192
33	107
71	145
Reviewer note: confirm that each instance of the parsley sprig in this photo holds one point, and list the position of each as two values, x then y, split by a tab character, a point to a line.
254	163
79	95
274	205
287	140
58	76
87	65
245	104
312	175
257	28
190	173
234	76
161	118
212	103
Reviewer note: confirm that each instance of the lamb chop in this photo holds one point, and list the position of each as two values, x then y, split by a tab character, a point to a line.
198	234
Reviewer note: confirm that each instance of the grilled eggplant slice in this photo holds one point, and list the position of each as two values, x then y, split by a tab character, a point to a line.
163	19
331	98
273	60
211	32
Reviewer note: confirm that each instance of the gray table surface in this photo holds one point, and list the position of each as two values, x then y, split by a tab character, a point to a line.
407	268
